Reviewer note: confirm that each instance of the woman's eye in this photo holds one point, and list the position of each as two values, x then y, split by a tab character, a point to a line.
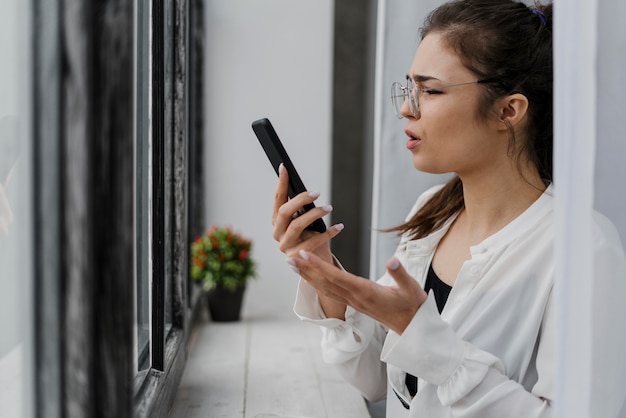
431	91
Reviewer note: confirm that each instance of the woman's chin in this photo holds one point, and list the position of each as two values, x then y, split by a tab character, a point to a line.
426	167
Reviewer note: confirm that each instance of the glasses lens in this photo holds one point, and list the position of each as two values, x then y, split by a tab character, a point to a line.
411	93
398	95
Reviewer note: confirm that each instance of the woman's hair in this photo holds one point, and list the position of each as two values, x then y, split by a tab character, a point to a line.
512	43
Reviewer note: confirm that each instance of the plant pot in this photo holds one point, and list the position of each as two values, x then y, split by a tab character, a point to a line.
225	305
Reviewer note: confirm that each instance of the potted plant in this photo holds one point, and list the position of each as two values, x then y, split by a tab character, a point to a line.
221	261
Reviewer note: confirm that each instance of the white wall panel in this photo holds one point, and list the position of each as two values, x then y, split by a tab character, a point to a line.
265	59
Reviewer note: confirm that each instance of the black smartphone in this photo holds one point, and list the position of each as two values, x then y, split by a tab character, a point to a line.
276	153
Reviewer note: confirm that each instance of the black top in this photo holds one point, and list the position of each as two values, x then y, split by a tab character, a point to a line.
441	291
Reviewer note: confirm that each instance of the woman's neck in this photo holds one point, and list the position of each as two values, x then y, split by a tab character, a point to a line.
492	203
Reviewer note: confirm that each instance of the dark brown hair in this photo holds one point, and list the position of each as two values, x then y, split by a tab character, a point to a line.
511	42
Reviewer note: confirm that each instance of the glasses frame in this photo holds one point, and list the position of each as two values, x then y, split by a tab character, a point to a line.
397	100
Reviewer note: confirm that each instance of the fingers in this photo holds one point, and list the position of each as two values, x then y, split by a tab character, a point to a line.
333	292
399	274
288	213
288	218
317	240
405	281
286	209
392	306
291	221
282	190
327	278
295	223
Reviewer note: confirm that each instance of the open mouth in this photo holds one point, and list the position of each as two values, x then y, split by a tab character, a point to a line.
413	140
411	135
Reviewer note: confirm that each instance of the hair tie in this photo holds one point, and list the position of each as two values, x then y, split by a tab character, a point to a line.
541	16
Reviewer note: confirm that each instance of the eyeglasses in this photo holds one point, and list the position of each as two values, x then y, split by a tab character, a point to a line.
400	93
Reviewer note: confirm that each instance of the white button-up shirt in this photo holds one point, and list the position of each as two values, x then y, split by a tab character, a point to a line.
491	352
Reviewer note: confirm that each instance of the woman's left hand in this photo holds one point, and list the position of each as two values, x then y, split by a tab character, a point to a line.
392	306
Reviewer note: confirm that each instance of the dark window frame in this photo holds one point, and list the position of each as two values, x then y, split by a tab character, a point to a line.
84	138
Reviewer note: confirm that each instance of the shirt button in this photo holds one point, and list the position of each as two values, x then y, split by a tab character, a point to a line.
474	270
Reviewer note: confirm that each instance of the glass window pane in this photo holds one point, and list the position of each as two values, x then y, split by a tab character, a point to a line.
16	210
143	185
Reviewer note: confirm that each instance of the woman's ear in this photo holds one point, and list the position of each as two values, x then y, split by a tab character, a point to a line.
512	110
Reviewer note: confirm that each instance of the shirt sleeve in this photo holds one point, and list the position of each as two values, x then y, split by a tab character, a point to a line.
353	346
470	381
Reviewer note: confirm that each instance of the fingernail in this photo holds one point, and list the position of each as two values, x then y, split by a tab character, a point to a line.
314	195
291	262
393	263
327	208
304	255
295	269
281	168
338	227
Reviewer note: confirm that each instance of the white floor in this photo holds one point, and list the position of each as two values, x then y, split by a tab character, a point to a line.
267	365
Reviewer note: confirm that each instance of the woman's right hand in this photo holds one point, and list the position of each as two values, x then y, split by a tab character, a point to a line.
290	227
292	236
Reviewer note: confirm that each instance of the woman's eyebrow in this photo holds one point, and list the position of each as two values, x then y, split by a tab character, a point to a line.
420	78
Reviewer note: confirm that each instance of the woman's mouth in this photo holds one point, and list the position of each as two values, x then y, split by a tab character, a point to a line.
413	140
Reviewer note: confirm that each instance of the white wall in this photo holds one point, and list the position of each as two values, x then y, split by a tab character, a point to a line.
265	59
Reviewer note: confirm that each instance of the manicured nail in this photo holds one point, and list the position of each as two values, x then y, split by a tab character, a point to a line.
291	262
281	168
327	208
295	269
304	255
314	195
393	263
338	227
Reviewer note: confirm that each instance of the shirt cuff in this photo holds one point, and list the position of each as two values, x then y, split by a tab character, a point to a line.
341	340
308	308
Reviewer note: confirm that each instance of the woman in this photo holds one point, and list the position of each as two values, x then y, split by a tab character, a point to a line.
462	324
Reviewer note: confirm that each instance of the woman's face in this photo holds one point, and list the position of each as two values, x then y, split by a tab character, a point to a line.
447	134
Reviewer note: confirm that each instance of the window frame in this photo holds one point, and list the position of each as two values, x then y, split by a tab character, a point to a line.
83	144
